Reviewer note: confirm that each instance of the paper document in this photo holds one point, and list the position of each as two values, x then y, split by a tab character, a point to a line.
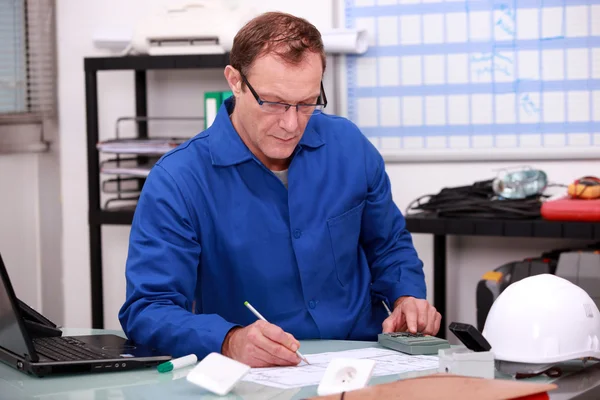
387	362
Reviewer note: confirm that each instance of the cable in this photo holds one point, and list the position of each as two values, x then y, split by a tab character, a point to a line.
478	201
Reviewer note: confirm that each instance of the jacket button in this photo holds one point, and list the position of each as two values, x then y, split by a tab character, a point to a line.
297	233
312	304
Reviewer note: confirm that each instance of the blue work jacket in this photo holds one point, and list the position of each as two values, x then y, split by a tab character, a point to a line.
214	228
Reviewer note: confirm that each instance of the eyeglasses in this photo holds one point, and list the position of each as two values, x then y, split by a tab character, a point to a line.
275	107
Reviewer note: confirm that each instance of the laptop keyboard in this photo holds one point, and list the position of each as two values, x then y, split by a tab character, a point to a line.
68	349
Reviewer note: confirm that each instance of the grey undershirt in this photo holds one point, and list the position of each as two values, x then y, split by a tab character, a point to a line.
283	177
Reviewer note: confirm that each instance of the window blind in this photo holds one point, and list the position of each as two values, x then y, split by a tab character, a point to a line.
27	61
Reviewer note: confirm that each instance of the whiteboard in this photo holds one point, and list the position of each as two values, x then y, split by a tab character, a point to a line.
476	79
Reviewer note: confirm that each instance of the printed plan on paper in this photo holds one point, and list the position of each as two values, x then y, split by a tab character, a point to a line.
387	362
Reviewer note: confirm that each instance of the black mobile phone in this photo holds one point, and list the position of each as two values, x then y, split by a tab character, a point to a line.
470	336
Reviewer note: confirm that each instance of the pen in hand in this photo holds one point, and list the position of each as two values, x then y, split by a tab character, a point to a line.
387	308
264	319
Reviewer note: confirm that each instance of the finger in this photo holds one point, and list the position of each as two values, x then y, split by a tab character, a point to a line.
388	324
263	341
436	325
422	315
409	309
430	321
261	358
278	335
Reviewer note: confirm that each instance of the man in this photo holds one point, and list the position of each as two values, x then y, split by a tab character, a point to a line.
276	204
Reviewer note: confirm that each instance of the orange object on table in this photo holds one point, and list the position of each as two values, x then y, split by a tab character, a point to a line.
587	187
448	386
569	209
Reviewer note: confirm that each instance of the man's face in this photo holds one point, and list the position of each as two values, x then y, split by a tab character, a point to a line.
273	137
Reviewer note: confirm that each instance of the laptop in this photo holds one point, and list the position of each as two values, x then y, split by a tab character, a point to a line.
32	344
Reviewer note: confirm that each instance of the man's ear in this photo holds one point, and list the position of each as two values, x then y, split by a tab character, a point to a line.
234	80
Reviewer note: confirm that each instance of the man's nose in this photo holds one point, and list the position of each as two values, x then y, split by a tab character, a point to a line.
289	120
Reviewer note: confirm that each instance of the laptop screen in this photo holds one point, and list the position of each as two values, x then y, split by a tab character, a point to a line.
11	335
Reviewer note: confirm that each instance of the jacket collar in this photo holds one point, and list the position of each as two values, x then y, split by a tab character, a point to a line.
227	148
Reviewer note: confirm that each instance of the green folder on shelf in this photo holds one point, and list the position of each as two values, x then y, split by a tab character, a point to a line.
212	103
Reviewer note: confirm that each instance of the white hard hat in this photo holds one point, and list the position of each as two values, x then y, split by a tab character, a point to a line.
540	321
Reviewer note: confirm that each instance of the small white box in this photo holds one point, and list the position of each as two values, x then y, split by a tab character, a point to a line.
504	24
413	142
554	65
458	68
437	142
366	72
433	28
554	107
529	107
482	141
552	22
482	109
481	67
435	110
389	111
364	3
578	64
531	140
411	70
529	64
387	31
596	20
596	63
412	111
528	23
577	21
390	143
434	70
479	26
505	108
345	374
217	373
368	111
460	142
389	71
503	65
554	140
506	141
410	29
456	27
578	106
596	102
579	139
458	109
465	362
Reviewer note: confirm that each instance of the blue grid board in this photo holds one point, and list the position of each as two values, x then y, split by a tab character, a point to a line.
476	73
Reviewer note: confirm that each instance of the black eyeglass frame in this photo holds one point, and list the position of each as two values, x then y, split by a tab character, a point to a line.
260	101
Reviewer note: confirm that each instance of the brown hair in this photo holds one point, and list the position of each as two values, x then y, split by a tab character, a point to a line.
285	35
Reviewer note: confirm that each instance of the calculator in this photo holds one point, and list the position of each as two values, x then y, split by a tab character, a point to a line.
412	343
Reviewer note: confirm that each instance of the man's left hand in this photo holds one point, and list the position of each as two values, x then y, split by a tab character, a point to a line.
413	315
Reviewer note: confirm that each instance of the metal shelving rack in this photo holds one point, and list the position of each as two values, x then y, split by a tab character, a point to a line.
96	215
441	227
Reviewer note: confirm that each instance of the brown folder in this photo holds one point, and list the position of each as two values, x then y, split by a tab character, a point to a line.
448	386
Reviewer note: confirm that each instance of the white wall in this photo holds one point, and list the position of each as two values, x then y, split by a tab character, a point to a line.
180	93
30	229
171	93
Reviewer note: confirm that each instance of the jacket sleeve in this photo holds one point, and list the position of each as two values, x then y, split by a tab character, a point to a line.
396	269
161	275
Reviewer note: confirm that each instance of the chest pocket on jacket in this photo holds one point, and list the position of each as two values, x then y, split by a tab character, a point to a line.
344	231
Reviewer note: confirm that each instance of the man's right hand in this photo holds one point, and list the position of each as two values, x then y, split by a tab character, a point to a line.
261	345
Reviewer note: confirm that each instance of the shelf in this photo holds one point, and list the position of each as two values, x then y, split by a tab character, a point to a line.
145	62
104	217
538	228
